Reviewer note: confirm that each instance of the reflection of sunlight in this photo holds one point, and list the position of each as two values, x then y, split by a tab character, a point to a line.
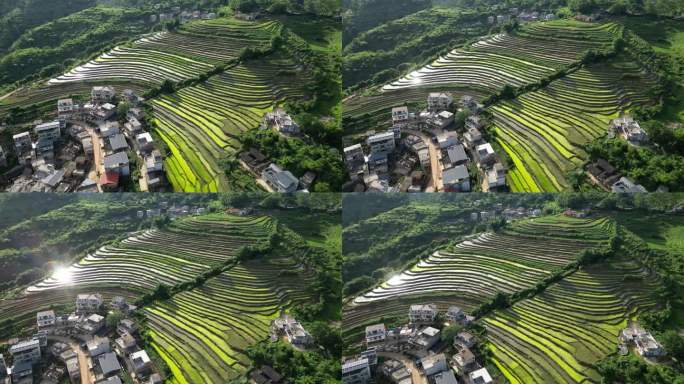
62	275
415	77
396	279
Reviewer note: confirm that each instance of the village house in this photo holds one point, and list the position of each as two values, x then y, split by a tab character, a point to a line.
126	326
109	128
267	375
472	137
296	334
629	129
279	179
485	154
108	364
646	345
480	376
382	142
102	113
92	324
455	155
464	361
116	143
422	313
427	338
469	102
254	160
131	97
602	174
447	139
132	127
446	377
88	302
353	153
396	371
117	163
22	143
400	116
456	315
102	94
356	371
281	121
464	340
98	346
144	143
495	178
22	372
45	319
434	364
441	120
74	369
126	344
375	333
140	362
27	351
439	101
625	185
456	179
48	131
65	108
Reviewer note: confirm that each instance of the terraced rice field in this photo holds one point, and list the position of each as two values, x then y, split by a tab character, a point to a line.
537	51
543	132
474	270
139	263
202	334
201	124
557	336
176	56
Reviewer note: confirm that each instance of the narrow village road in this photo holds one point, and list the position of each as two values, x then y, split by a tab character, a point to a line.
408	362
82	363
437	184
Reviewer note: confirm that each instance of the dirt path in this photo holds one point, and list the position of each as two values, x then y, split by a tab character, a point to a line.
82	363
436	183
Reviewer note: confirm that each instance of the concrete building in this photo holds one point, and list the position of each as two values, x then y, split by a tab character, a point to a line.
108	364
279	179
625	185
117	163
455	315
434	364
485	154
375	333
281	121
144	142
65	107
400	115
140	362
456	179
353	153
98	346
382	142
88	302
26	351
447	139
446	377
356	371
422	313
439	101
495	178
102	94
22	143
45	319
480	376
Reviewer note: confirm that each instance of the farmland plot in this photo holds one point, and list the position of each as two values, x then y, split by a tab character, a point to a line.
139	263
473	271
557	336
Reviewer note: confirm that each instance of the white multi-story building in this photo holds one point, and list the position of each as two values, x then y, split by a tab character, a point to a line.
356	371
382	142
439	101
400	115
26	351
22	143
353	153
375	333
45	319
102	94
88	302
423	313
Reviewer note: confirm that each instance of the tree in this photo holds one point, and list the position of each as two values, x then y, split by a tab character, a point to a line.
113	319
122	111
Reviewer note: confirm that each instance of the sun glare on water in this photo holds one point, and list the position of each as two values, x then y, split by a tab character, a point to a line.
396	279
62	275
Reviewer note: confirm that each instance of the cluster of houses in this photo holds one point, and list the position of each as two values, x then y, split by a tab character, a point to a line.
629	129
266	375
424	350
98	139
280	121
293	331
520	16
183	16
55	353
644	344
271	176
386	157
509	214
173	211
604	175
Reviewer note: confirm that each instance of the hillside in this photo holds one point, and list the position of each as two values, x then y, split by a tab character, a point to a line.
549	88
207	286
